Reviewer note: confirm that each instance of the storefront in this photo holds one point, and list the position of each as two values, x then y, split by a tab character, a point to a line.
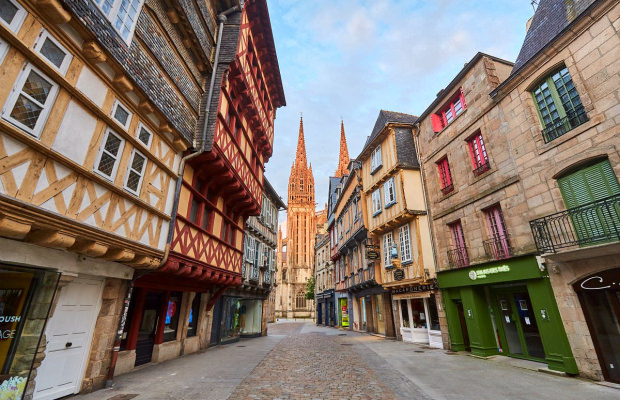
599	295
25	299
235	317
325	308
507	308
417	313
342	310
369	309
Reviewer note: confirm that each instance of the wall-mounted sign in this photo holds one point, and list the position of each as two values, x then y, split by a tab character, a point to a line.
417	288
399	275
603	280
483	273
372	255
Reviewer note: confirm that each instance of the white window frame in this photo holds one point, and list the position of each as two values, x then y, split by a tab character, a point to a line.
111	17
130	168
388	242
140	127
117	103
20	15
4	48
14	95
404	237
118	155
251	249
38	44
375	159
387	186
376	202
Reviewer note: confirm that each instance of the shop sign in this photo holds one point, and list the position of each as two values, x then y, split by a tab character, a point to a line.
372	254
414	289
601	281
399	275
483	273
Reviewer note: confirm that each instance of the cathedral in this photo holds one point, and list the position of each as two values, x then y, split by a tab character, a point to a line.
295	256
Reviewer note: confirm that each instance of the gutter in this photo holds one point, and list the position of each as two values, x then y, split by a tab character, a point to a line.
175	207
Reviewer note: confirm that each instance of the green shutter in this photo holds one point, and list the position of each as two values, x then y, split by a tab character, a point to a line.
597	223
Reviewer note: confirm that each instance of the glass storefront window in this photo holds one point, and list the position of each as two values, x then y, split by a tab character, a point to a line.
231	315
250	318
171	323
405	313
433	317
192	328
25	299
419	316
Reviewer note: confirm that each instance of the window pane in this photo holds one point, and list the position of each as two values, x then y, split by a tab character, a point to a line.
193	214
25	111
133	181
106	164
7	11
457	107
138	162
53	53
37	87
449	116
144	136
121	115
112	144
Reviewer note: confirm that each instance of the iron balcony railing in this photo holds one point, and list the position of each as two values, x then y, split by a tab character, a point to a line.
482	168
447	189
592	223
498	247
458	257
574	118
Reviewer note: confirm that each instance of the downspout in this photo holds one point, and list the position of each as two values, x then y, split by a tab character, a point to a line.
175	206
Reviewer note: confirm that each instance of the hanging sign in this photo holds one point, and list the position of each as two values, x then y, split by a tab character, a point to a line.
372	255
399	275
416	288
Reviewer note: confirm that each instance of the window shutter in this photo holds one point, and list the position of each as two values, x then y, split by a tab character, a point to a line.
437	125
589	184
462	97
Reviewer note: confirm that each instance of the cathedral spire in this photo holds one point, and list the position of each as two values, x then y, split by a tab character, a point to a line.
343	159
300	158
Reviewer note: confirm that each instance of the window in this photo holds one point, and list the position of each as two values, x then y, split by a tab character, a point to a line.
356	211
53	51
445	179
498	246
478	154
558	103
405	243
376	202
123	14
144	135
30	101
201	210
375	160
300	299
389	192
135	173
458	256
388	242
194	313
109	154
447	114
4	48
171	322
12	14
121	114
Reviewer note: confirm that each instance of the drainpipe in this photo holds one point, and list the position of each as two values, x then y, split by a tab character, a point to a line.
175	206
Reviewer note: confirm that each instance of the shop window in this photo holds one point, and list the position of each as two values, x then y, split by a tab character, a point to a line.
121	114
123	14
54	52
404	238
445	178
478	153
376	202
12	14
389	192
447	114
144	135
433	317
109	155
171	323
558	104
194	313
30	101
135	173
404	312
375	160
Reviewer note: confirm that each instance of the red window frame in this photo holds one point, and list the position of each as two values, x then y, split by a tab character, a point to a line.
445	178
478	153
458	242
452	109
202	205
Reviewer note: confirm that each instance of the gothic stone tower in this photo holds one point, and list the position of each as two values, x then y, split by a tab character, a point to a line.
299	241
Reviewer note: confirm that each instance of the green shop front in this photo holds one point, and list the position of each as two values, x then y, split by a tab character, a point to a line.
506	308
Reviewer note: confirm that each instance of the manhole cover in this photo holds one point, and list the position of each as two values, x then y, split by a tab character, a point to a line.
346	344
418	351
241	346
123	397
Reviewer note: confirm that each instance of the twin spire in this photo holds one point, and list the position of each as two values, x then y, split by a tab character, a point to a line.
343	159
301	146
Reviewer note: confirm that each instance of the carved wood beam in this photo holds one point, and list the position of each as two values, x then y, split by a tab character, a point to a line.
14	228
89	248
51	238
119	255
53	10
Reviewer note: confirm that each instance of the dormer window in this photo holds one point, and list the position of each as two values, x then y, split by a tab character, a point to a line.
123	14
452	109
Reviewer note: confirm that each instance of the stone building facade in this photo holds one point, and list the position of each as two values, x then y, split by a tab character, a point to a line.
323	282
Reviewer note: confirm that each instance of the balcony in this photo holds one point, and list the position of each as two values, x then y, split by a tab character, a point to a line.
482	168
593	223
574	118
498	248
362	279
458	257
447	189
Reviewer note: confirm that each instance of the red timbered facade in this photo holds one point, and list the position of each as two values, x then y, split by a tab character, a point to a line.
222	186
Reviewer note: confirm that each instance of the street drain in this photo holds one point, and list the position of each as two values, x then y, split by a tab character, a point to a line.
241	346
123	397
346	344
418	351
342	334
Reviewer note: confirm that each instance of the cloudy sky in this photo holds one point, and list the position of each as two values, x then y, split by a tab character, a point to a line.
350	58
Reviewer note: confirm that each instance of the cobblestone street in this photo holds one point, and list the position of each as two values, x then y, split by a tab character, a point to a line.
301	361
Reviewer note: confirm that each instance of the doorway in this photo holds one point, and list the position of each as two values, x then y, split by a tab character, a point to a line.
463	323
148	328
519	332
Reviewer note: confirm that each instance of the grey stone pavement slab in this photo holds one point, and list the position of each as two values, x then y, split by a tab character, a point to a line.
272	368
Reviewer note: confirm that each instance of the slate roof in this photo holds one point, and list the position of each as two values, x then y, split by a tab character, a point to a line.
550	19
386	117
275	197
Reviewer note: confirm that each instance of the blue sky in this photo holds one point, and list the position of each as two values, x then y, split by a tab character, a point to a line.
350	58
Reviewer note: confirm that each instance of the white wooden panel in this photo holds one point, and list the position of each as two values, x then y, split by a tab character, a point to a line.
75	133
93	87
